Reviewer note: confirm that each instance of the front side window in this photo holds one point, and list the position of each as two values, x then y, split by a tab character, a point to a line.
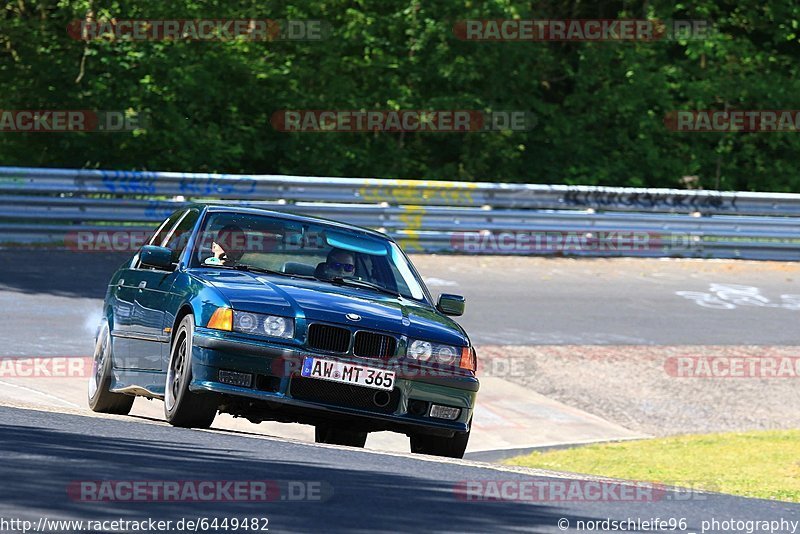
179	237
163	230
310	250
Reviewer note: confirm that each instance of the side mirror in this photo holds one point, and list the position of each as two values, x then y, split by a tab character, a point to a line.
158	257
451	304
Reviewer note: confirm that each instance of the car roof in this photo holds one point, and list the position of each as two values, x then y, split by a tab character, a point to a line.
223	208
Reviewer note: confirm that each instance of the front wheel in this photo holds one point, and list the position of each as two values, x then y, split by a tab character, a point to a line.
102	400
439	446
182	407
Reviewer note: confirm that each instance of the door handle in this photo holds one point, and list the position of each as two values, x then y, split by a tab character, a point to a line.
142	285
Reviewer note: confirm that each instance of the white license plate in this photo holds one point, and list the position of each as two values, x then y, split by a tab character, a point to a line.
347	373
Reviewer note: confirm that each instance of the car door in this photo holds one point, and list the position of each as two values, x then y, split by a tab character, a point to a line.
124	332
122	305
140	344
152	295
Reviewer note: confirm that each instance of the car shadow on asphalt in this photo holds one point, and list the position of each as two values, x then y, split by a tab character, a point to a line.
358	494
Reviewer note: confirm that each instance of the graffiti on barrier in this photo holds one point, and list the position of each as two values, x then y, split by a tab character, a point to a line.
138	183
239	185
689	201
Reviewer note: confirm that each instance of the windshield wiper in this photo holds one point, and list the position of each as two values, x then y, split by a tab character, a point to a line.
354	282
254	269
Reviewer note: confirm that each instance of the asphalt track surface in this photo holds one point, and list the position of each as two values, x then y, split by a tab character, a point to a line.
56	297
51	300
44	454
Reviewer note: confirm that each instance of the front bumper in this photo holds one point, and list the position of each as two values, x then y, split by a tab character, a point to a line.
276	393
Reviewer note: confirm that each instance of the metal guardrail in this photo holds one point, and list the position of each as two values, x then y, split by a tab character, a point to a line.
49	205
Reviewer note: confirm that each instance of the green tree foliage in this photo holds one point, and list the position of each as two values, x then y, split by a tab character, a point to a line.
599	106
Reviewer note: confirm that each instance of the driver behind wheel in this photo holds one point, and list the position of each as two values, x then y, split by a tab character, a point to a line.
339	264
228	247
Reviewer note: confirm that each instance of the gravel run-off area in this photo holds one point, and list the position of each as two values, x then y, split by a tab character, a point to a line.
643	388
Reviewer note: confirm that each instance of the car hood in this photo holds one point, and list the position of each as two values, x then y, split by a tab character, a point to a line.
322	301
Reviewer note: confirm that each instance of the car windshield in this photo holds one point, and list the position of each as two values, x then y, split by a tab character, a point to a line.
340	256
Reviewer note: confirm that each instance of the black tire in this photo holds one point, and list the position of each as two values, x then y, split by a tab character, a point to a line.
339	436
102	400
439	446
182	407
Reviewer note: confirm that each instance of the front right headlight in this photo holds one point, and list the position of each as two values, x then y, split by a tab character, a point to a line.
260	324
425	351
420	350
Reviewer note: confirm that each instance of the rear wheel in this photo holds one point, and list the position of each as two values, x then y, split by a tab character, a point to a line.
183	407
100	398
339	436
439	446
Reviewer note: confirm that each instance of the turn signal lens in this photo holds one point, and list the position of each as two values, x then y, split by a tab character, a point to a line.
222	319
468	359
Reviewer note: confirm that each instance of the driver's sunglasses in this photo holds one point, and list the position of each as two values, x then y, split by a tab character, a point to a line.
346	267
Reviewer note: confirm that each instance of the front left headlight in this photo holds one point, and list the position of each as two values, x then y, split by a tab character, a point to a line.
263	325
428	352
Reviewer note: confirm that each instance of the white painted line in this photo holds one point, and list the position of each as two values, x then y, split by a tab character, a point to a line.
37	392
